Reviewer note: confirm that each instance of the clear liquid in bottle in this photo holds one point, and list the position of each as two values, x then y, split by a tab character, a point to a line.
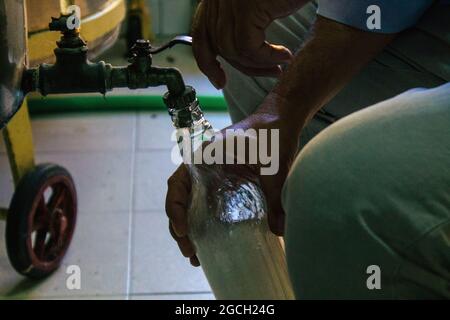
240	256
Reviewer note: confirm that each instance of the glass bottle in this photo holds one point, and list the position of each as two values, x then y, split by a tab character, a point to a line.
240	256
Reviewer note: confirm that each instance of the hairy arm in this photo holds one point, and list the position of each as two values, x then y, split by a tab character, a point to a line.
334	54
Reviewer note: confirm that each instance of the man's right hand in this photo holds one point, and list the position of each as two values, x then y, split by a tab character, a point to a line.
235	30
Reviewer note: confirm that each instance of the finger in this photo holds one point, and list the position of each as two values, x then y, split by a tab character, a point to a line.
249	62
184	244
177	200
273	72
276	215
251	41
194	261
202	49
223	36
272	53
225	48
263	52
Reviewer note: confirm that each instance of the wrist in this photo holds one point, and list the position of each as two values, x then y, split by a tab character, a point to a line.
279	112
274	114
282	143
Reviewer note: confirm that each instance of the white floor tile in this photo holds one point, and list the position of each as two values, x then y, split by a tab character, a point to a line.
84	132
103	179
99	248
155	131
157	265
87	297
150	181
190	297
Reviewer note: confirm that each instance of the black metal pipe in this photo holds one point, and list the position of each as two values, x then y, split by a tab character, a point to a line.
133	78
74	73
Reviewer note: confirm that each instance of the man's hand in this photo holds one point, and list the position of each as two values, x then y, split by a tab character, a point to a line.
234	30
179	184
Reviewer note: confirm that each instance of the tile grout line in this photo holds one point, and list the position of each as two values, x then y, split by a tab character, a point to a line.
176	293
130	219
109	296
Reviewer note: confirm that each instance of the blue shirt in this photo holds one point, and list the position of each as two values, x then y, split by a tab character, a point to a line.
394	15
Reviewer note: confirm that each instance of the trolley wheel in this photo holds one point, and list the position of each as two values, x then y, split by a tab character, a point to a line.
41	221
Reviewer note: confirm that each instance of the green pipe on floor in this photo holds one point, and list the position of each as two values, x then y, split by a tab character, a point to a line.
89	103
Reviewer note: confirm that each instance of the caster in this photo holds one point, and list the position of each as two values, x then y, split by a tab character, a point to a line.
41	221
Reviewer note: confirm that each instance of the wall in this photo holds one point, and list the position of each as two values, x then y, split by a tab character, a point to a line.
171	16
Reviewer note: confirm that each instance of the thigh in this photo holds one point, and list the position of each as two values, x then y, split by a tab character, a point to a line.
374	190
383	78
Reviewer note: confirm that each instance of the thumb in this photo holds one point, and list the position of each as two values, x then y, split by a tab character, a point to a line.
275	53
203	51
276	215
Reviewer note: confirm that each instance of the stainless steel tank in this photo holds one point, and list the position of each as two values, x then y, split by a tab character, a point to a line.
12	57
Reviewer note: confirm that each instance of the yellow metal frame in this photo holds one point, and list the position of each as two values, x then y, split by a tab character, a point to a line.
42	44
19	143
19	146
18	133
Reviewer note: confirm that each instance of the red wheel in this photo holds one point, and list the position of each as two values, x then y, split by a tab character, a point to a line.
41	221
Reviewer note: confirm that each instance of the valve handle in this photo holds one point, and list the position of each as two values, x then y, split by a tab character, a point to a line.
65	23
186	40
59	24
143	48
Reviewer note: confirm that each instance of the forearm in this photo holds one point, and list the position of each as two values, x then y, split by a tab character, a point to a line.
327	62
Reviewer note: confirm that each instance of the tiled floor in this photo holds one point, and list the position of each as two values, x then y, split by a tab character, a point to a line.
120	163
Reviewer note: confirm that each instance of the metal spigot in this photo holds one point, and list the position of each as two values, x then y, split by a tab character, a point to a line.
70	36
141	57
142	48
181	100
185	109
74	73
60	24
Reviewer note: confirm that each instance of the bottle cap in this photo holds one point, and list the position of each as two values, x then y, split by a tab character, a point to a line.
180	102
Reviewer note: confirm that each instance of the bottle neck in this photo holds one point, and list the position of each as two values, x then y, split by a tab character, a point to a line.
192	131
188	116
